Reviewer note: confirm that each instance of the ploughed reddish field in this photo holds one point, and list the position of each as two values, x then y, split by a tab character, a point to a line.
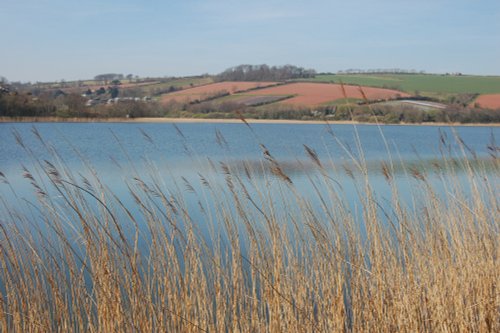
490	101
312	94
206	91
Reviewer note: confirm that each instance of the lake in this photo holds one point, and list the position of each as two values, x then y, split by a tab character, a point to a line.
101	143
178	155
146	217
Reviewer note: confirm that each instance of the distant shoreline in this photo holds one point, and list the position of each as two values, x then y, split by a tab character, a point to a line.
217	121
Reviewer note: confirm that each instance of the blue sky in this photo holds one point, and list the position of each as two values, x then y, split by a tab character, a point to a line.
44	40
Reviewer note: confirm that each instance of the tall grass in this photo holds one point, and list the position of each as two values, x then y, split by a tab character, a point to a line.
256	253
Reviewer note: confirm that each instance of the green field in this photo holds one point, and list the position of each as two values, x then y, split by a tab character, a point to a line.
422	83
177	83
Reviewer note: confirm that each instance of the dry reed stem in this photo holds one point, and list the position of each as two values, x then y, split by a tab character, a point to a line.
274	259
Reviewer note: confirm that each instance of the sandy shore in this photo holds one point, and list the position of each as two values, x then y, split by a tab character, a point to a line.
218	121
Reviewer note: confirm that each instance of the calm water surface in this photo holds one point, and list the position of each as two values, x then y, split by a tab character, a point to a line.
103	142
119	152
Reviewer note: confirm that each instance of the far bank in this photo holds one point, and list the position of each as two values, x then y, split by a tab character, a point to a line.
221	121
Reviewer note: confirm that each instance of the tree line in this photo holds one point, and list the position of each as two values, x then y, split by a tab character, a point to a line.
264	73
380	71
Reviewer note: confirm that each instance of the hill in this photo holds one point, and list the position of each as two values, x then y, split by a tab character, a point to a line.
384	97
297	93
421	83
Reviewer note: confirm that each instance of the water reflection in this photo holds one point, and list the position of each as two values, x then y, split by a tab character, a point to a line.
183	161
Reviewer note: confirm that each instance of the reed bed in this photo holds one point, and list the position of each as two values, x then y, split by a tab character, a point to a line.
256	253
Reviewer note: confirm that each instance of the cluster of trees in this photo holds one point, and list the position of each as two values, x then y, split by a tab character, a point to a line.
72	105
264	73
230	110
161	91
380	71
108	77
103	93
408	114
361	113
461	100
44	105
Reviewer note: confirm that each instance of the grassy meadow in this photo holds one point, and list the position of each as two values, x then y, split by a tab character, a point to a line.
423	83
178	83
274	259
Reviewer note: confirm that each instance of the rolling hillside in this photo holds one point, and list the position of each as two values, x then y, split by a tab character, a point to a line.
299	94
423	83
